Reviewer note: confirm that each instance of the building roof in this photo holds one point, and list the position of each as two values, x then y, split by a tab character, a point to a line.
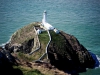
48	26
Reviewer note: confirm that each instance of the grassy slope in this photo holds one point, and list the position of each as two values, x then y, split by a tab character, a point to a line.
60	43
43	38
28	71
58	40
24	34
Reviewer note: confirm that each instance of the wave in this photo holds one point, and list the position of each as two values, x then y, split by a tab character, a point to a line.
97	60
98	57
3	44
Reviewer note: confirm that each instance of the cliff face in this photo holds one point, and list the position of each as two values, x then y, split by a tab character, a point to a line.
66	53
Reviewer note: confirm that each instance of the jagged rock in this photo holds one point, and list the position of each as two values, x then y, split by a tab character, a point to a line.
6	57
3	58
6	63
7	46
69	55
27	46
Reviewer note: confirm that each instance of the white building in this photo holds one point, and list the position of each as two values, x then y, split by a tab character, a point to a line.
56	31
38	31
44	22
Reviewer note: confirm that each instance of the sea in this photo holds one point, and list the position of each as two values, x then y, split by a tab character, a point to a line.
80	18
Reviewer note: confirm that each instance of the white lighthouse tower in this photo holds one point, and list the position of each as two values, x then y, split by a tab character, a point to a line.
44	16
45	23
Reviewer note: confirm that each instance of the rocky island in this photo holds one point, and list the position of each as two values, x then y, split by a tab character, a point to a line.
41	49
28	53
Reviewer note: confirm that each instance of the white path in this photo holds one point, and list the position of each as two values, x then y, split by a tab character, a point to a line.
37	38
46	51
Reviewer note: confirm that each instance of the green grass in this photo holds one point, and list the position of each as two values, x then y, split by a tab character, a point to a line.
25	57
33	72
24	34
59	43
44	38
27	71
57	38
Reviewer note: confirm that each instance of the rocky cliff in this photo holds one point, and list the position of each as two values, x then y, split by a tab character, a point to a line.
64	51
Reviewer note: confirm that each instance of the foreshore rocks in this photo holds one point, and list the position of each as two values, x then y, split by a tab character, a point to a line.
70	55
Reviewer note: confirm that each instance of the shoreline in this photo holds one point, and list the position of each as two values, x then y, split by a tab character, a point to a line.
2	44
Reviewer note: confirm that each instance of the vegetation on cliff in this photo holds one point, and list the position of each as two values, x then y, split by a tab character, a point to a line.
23	36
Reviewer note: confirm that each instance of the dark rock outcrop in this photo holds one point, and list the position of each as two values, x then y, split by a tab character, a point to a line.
26	47
6	57
70	54
6	63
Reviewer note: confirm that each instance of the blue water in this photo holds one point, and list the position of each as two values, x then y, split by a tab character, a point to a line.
80	18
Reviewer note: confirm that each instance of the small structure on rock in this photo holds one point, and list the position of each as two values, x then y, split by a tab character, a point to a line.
38	31
56	31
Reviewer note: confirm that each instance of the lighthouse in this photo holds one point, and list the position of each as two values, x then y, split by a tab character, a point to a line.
44	16
45	23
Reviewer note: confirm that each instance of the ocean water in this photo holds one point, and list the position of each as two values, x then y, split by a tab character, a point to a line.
80	18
